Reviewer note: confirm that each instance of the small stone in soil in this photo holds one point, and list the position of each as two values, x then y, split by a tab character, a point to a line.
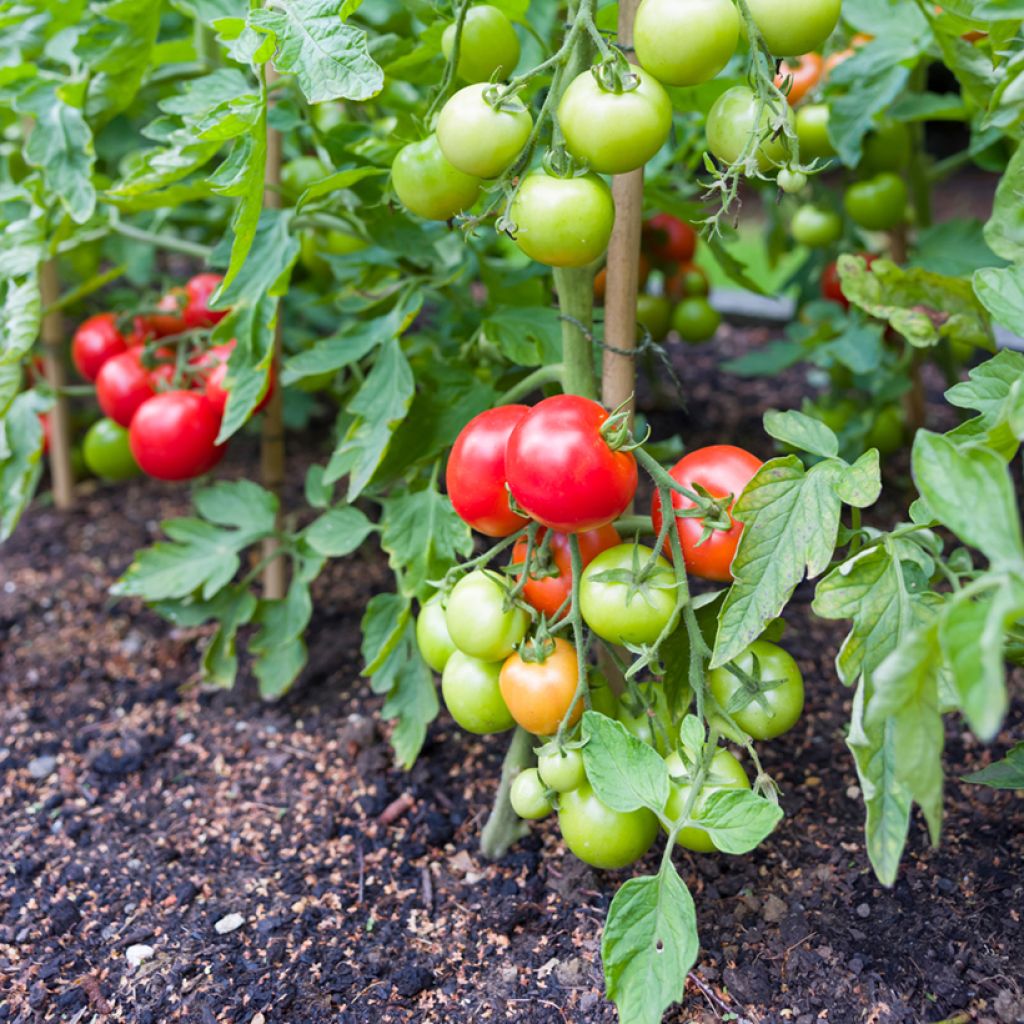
42	767
139	954
229	923
863	910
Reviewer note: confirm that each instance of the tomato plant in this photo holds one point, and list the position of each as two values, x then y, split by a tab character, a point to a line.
762	690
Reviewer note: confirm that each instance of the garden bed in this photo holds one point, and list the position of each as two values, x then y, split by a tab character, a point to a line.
139	812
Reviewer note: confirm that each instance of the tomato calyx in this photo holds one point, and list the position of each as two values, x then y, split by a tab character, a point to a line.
617	432
504	99
615	74
752	689
638	577
711	511
537	649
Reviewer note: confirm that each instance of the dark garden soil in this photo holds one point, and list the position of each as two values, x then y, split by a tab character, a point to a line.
282	871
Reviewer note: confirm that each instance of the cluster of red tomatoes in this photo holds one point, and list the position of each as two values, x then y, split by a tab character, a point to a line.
163	413
556	477
679	300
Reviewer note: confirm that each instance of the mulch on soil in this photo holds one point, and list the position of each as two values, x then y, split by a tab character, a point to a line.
173	855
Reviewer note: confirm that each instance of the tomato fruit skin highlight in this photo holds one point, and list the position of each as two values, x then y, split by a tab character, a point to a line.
563	222
815	227
563	770
475	476
794	27
812	132
478	139
429	185
721	470
95	341
538	694
489	45
477	621
685	42
473	696
655	314
614	133
561	471
173	436
600	836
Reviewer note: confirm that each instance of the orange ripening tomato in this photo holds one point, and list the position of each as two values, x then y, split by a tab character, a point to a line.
805	72
539	693
601	280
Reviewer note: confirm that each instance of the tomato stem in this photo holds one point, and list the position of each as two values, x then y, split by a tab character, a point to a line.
504	826
553	374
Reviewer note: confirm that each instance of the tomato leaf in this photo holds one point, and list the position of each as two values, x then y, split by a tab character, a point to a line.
738	820
411	703
383	624
791	517
626	773
649	944
278	646
802	431
988	519
232	608
1004	231
330	59
1005	774
21	449
19	326
996	390
338	532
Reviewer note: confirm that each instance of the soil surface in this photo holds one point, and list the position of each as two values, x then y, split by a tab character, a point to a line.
175	855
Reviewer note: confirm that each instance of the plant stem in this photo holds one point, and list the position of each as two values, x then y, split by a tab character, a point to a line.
504	826
84	290
530	383
52	336
272	454
618	383
161	241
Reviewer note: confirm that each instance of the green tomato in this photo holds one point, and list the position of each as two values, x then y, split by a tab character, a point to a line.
791	28
725	772
791	182
731	122
529	797
301	173
600	836
878	204
432	635
685	43
429	185
886	148
655	313
336	243
478	623
695	320
472	694
479	139
614	132
328	116
887	431
815	227
107	453
618	611
563	222
774	704
812	132
489	48
561	770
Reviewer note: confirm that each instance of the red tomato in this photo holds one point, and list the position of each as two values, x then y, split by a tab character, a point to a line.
125	383
172	320
96	340
197	306
669	240
561	470
721	470
832	286
476	472
547	593
173	436
213	368
806	72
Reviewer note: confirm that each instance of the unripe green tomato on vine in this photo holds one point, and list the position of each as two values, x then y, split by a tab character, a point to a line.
791	28
887	147
432	635
812	132
724	773
878	204
688	42
603	837
528	796
472	695
489	47
615	132
301	173
655	313
791	181
815	227
479	139
429	185
695	320
563	222
731	122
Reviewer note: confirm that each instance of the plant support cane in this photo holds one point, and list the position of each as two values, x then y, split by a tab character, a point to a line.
575	287
52	335
272	439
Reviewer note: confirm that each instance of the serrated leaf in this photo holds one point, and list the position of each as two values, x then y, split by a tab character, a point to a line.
527	335
241	504
411	703
19	327
384	621
649	944
1001	291
1005	774
1005	230
970	491
801	431
626	773
338	532
231	608
791	518
738	820
330	59
278	646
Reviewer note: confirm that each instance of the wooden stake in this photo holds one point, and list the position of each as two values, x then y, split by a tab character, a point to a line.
619	371
272	454
52	336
